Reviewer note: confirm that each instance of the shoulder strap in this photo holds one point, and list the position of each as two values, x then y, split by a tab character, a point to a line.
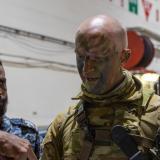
79	115
67	118
92	135
88	143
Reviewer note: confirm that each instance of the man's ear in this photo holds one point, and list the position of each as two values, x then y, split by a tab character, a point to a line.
124	55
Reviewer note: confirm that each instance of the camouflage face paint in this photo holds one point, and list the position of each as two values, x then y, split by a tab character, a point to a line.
97	62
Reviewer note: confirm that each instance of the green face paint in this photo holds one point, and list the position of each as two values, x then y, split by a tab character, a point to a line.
97	62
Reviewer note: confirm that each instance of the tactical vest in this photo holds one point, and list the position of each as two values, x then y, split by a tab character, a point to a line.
89	142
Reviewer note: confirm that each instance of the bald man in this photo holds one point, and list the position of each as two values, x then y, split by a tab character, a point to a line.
111	99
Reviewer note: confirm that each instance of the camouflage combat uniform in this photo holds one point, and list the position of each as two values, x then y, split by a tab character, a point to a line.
129	105
24	129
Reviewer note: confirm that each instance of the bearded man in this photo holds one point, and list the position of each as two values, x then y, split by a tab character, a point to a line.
11	145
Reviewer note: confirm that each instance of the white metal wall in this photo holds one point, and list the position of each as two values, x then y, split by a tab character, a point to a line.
39	94
60	18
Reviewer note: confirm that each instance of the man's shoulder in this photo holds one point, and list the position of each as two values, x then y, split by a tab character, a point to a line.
24	123
150	99
17	124
61	118
154	103
59	123
23	129
150	120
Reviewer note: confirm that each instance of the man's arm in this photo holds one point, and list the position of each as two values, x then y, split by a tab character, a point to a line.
14	147
51	145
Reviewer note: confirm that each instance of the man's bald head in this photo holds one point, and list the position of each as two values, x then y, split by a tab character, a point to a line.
102	30
101	48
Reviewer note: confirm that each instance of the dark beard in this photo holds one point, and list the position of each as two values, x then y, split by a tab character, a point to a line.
3	106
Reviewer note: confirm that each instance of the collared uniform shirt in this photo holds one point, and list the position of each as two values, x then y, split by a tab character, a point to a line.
23	129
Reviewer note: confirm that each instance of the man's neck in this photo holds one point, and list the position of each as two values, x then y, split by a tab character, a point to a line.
118	81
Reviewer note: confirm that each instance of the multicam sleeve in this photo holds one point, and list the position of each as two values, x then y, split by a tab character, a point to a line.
50	145
150	121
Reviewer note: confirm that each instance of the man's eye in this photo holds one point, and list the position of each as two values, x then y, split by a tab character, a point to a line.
81	56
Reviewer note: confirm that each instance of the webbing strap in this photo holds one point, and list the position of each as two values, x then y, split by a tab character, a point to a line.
86	150
92	136
88	143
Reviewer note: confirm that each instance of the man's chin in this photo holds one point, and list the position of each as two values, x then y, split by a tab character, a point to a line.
92	90
3	109
95	90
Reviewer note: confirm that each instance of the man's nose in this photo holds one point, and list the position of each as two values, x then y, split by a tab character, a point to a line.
88	65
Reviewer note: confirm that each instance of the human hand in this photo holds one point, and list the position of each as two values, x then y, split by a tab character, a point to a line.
15	148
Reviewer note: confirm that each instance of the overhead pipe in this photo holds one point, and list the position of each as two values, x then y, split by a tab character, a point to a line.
145	32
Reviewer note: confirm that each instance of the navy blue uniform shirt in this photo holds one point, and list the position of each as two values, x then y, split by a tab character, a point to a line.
23	129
